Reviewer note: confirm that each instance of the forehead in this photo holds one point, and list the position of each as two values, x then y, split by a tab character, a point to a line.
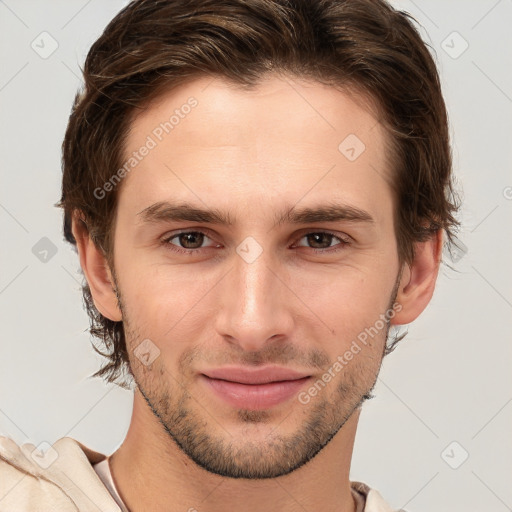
283	139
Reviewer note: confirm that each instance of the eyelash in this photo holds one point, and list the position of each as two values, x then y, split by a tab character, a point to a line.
172	247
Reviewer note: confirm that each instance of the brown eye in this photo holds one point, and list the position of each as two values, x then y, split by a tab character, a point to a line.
187	242
192	240
322	241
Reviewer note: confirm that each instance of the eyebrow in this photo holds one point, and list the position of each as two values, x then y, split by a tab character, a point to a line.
165	211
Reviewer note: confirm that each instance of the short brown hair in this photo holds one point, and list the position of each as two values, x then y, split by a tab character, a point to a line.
152	46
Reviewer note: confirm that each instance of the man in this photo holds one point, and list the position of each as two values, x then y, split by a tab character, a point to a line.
258	191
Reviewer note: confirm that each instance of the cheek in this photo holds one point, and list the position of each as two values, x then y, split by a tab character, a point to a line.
351	306
165	303
346	299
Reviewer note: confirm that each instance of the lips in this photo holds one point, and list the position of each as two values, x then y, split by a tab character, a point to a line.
254	388
254	375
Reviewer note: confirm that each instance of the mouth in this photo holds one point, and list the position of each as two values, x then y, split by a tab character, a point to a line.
254	389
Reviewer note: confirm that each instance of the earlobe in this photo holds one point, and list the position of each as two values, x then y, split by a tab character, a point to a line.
418	280
96	271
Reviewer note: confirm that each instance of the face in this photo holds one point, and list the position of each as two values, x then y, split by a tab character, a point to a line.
256	265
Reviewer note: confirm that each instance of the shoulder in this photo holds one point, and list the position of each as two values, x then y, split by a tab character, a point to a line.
60	478
374	502
23	485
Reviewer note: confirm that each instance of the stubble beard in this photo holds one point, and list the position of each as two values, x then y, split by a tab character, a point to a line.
211	446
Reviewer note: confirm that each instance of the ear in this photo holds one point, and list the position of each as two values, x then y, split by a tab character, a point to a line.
97	272
419	279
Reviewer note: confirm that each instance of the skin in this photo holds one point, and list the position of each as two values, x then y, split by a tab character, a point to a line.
253	154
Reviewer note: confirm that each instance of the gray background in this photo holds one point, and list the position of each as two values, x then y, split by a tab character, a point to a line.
448	381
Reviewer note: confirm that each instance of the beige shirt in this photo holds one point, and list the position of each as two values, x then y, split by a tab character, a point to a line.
71	477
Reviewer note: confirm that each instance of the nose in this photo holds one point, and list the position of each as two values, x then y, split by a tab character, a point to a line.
255	303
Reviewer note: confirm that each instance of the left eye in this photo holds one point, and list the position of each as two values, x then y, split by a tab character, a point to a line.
321	238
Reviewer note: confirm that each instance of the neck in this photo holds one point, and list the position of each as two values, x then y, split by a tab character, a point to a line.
150	468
